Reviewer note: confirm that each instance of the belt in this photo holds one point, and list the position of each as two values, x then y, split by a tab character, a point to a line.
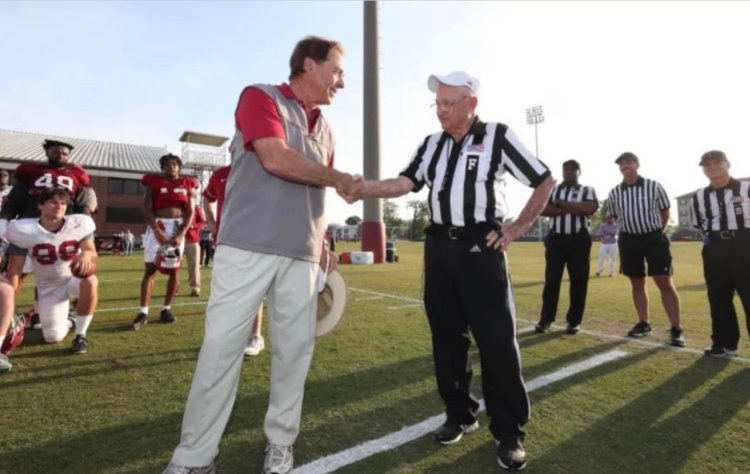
729	234
460	233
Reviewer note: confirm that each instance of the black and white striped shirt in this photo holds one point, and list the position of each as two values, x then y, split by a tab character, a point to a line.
727	208
569	224
467	179
638	206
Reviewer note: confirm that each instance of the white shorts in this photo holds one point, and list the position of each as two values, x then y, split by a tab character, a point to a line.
151	244
54	307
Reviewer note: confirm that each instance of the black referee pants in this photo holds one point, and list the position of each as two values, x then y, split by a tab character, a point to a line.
467	288
726	268
573	251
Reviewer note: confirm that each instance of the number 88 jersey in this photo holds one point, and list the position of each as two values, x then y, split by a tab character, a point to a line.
50	252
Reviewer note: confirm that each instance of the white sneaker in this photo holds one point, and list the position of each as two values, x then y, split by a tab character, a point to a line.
256	344
5	364
177	469
279	459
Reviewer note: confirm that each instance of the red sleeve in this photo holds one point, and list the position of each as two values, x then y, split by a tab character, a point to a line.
210	191
195	183
257	117
147	180
83	176
330	160
22	173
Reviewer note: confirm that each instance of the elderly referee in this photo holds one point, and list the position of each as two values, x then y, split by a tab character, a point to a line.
467	286
642	207
722	211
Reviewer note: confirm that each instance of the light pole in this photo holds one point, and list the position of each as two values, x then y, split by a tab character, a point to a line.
535	116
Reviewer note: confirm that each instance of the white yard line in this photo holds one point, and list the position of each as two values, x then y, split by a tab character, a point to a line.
410	433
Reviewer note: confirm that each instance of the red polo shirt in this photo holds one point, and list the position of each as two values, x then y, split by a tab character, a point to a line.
257	117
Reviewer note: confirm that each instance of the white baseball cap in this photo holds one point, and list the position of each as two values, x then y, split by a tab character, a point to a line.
456	78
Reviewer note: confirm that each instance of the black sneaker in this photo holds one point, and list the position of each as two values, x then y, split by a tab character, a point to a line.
511	456
676	337
639	330
542	327
140	321
166	316
451	432
80	344
573	328
716	351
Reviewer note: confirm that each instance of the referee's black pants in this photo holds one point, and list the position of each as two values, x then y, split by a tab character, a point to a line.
573	251
467	288
726	268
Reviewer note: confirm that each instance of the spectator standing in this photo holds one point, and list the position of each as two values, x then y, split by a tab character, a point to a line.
129	239
608	247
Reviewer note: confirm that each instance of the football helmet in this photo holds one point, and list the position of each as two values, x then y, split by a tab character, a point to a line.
15	334
168	259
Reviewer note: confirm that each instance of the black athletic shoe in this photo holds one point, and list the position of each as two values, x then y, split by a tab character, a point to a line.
511	456
80	344
451	432
716	351
676	337
140	321
542	327
639	330
573	328
166	316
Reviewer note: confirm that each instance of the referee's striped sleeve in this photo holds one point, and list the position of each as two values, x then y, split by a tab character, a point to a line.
520	162
415	170
661	197
694	216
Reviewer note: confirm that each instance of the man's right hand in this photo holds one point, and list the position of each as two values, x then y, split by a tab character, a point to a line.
351	188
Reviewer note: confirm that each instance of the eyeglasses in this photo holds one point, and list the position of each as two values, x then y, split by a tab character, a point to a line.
447	104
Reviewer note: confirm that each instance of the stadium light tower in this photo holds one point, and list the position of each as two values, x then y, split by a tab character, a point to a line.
535	116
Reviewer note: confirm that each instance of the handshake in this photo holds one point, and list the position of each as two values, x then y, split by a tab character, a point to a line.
351	187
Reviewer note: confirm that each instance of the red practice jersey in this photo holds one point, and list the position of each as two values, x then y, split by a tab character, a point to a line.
168	192
37	176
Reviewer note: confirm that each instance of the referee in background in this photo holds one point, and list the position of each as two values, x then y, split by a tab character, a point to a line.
466	282
642	207
722	211
567	244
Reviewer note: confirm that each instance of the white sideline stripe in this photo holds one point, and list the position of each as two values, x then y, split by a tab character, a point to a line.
395	308
410	433
368	298
386	295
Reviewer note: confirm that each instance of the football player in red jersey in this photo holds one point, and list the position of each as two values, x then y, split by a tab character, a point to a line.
32	178
63	257
169	206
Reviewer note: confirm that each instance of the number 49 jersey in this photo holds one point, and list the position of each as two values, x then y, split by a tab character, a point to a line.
50	252
37	176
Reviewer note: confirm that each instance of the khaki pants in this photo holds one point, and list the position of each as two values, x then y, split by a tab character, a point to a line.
240	281
192	256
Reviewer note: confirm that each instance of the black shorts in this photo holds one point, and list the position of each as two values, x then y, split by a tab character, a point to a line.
638	249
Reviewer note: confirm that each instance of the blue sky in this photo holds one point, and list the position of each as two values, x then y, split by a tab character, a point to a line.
666	80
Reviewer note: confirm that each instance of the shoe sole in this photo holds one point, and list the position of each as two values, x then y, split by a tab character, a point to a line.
520	467
137	326
640	335
83	351
469	429
677	343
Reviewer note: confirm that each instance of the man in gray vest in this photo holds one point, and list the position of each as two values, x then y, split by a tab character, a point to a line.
282	154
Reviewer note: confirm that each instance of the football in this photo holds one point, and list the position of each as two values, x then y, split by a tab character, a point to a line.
74	268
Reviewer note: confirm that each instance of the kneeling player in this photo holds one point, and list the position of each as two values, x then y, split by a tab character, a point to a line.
63	258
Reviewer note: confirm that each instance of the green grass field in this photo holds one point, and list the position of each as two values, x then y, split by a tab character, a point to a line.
118	408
